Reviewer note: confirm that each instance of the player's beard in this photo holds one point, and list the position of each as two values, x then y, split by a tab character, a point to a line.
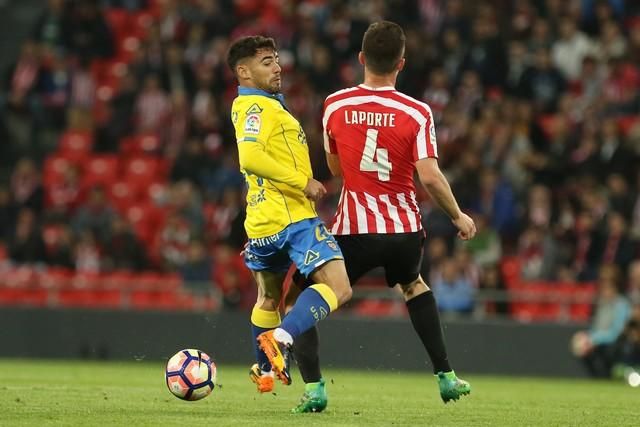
273	86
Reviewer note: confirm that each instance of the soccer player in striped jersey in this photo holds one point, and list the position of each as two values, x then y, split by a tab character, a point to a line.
282	223
375	138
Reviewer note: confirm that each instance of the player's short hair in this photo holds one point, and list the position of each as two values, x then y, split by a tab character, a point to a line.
246	47
383	46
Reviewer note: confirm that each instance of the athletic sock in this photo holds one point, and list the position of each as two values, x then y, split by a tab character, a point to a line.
263	321
313	304
426	321
305	351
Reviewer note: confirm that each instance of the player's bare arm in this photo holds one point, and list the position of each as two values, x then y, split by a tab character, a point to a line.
439	189
333	161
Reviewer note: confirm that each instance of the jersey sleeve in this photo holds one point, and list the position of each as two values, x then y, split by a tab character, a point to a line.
425	145
253	122
329	142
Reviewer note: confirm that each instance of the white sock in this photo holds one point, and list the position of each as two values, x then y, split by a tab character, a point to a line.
283	336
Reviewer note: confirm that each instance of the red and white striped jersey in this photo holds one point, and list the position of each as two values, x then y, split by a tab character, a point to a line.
378	135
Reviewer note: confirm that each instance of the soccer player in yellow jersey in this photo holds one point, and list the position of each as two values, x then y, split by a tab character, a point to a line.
282	223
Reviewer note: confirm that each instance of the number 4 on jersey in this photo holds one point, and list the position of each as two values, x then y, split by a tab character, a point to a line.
375	159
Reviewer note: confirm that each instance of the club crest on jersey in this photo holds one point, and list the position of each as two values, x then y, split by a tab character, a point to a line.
254	109
332	245
252	124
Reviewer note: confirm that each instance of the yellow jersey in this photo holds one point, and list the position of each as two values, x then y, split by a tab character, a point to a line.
274	159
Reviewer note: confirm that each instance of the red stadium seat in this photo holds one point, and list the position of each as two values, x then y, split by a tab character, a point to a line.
142	171
75	146
140	145
24	297
145	220
21	277
56	278
54	168
119	280
90	298
101	170
122	195
118	20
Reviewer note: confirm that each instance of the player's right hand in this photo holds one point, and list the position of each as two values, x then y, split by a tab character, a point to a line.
465	225
314	190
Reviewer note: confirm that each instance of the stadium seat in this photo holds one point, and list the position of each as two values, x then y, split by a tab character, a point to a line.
124	280
118	20
101	170
75	146
24	297
90	298
141	171
140	145
23	277
53	170
56	278
122	195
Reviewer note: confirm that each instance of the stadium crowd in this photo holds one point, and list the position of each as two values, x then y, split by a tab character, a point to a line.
120	154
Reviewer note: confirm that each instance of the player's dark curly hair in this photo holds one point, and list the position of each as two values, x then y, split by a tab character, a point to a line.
383	46
246	47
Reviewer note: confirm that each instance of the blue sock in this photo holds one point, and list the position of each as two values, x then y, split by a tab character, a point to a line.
313	304
263	321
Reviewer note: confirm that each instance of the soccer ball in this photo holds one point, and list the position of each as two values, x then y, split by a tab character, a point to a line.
190	374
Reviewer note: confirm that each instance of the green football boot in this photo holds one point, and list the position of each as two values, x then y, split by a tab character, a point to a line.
452	387
314	398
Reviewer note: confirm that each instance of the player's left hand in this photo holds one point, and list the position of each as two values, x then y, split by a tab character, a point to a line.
314	190
465	225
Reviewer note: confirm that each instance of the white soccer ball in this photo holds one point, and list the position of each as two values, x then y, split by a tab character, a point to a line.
190	374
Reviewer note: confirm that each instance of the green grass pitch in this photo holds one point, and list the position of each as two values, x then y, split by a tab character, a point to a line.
35	392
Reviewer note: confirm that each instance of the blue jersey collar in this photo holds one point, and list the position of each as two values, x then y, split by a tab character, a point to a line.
243	90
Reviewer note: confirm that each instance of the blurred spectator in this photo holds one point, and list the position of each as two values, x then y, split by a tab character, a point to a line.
95	215
542	82
198	266
87	254
495	200
172	242
7	214
26	186
152	107
633	283
85	31
485	248
48	29
491	282
538	252
26	245
177	75
233	279
614	246
452	289
123	250
58	241
64	195
570	49
612	311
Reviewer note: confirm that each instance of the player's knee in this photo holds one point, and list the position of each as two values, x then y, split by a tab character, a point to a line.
414	288
343	292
